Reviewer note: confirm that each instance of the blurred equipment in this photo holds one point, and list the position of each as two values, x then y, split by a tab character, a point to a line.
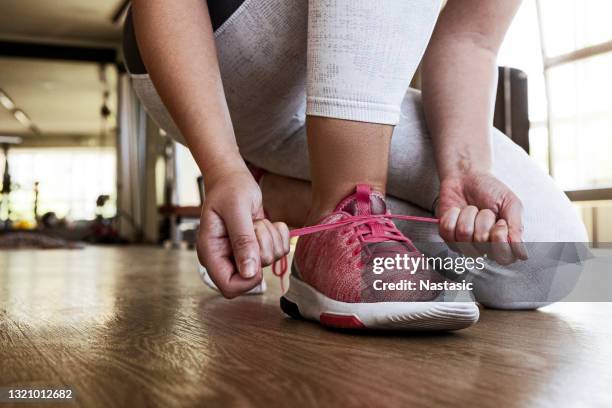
105	110
103	230
5	206
36	196
179	224
511	107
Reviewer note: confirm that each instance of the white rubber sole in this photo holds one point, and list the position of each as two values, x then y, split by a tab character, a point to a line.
257	290
303	301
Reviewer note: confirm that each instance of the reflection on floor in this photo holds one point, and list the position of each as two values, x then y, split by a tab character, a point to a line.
136	327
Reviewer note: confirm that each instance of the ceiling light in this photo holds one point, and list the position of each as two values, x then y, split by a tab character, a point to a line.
10	140
22	118
6	101
20	115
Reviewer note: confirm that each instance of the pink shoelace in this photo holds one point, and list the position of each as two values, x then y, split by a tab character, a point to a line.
370	229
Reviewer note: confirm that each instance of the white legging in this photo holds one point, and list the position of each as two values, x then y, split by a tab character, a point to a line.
362	54
355	61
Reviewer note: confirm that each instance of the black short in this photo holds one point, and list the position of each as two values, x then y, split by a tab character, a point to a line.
219	10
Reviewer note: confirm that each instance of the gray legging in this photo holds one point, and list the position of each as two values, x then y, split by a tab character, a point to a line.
263	51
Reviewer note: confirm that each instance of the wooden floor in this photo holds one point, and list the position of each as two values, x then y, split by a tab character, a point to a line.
135	327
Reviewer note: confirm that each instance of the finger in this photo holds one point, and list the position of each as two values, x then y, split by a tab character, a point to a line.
512	212
216	255
448	223
500	249
213	247
485	220
265	241
239	223
277	240
283	230
464	232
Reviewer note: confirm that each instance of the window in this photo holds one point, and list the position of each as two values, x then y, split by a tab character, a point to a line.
70	180
577	42
581	122
570	25
565	47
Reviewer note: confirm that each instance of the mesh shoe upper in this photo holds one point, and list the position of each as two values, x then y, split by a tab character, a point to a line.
338	262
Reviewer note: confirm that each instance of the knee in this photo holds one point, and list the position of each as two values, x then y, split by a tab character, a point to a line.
549	216
548	276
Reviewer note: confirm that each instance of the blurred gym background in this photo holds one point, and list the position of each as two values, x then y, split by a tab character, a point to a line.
81	162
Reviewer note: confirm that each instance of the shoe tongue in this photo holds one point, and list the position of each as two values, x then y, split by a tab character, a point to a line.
363	202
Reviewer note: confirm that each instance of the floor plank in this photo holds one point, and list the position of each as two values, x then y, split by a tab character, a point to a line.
134	326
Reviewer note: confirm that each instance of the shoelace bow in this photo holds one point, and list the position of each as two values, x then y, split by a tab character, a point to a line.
370	228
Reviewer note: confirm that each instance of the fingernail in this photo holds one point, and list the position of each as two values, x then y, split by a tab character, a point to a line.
248	268
524	253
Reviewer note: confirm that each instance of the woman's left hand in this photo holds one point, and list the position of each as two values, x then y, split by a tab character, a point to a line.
483	214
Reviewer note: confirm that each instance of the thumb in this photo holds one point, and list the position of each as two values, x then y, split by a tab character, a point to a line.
512	212
239	223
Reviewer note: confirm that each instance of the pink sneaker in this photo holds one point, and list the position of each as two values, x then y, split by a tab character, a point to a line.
333	281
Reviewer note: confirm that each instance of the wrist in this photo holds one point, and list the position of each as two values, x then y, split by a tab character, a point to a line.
464	162
462	171
223	169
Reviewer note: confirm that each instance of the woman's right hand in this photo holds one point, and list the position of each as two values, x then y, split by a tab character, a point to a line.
176	40
235	240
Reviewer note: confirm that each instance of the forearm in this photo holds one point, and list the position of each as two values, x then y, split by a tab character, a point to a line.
176	41
459	83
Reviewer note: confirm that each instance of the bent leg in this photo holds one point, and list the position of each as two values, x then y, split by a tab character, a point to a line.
549	217
361	56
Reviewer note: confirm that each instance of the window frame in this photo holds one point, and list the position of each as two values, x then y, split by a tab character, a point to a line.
549	62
